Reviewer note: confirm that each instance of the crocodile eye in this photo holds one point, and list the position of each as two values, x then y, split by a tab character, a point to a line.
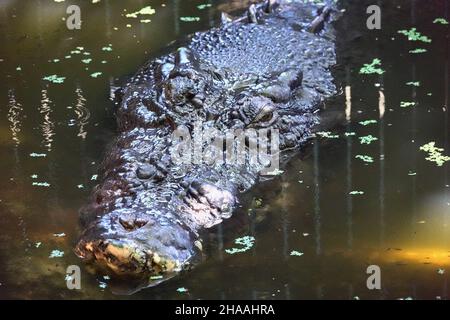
267	117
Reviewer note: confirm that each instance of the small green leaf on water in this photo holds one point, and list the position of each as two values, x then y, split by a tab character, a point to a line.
144	11
441	271
86	61
350	134
414	35
434	153
190	19
94	177
364	158
38	155
107	48
41	184
275	172
54	79
429	94
59	235
407	104
96	74
413	83
371	68
37	244
203	6
367	122
367	139
19	68
418	50
56	254
296	253
327	134
440	21
410	173
246	242
182	290
356	192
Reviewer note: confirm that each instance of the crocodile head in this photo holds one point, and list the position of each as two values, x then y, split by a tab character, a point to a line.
267	73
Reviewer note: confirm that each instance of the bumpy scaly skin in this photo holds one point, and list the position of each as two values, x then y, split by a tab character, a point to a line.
147	214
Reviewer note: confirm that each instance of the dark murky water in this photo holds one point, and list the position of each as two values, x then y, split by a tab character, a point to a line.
342	213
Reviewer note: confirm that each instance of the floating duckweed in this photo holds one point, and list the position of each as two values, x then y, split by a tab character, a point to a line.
19	68
296	253
350	134
367	122
102	284
37	244
247	242
156	277
327	134
364	158
96	74
34	176
434	153
182	290
190	19
414	35
371	68
54	79
410	173
258	203
367	139
407	104
56	254
440	21
203	6
144	11
59	235
37	155
413	83
86	61
94	177
41	184
275	172
356	192
441	271
107	48
418	50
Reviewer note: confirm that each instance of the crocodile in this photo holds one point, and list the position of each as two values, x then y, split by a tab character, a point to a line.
269	69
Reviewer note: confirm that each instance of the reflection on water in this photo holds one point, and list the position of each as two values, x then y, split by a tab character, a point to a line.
14	117
339	213
47	125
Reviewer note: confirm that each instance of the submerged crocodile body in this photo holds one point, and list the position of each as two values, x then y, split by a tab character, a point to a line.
266	70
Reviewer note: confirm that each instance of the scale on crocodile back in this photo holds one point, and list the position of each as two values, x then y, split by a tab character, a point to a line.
267	71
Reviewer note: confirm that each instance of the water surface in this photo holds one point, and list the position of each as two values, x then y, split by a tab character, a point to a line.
339	213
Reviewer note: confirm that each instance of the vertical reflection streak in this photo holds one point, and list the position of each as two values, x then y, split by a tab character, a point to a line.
349	178
317	222
176	16
83	114
381	108
47	125
14	117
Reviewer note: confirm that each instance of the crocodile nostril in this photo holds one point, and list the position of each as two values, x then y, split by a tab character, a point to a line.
131	225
